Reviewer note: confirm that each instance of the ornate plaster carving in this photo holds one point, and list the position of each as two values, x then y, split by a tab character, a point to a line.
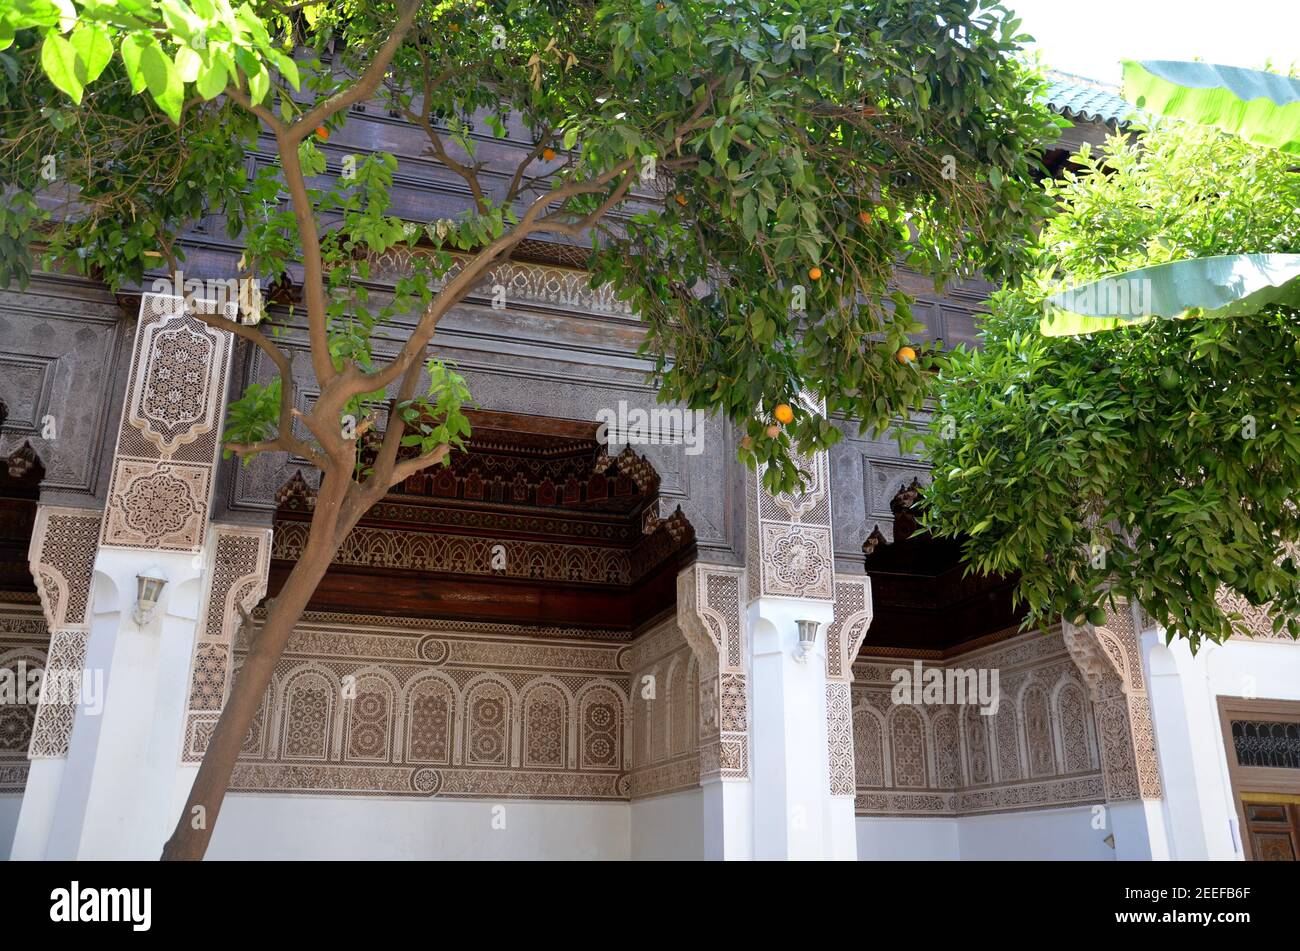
168	440
523	281
1039	750
241	560
708	612
1110	660
844	637
386	708
24	640
62	558
789	546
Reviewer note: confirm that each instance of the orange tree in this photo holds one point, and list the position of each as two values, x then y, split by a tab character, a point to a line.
1159	462
770	164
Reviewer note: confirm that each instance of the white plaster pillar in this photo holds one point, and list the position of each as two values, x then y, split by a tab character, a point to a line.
801	714
792	801
111	795
1187	731
115	801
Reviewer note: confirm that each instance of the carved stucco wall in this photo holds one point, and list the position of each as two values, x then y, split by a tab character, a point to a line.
358	706
167	444
788	548
844	637
709	615
241	558
1110	659
663	736
62	559
1039	750
24	640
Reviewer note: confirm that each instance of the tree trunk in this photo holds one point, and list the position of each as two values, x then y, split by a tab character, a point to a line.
189	841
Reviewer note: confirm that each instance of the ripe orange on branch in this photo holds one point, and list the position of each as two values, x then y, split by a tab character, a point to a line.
322	133
906	355
815	273
783	413
548	154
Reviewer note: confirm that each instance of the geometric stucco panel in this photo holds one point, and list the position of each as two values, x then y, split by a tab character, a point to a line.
708	613
167	443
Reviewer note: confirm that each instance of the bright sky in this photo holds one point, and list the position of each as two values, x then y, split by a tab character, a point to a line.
1091	38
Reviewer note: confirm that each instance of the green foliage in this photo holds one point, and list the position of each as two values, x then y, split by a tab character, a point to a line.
1172	447
250	418
742	144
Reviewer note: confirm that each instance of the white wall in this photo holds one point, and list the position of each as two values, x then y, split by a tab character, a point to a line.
1034	834
906	838
1200	812
669	827
255	826
10	803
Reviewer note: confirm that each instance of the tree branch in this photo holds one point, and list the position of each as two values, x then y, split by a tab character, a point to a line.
365	86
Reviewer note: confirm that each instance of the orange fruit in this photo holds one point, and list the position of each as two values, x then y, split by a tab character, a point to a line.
454	27
548	154
864	217
783	413
681	200
815	273
906	355
660	6
322	132
773	431
747	442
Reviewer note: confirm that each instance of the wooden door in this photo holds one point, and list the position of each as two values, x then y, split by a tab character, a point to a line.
1273	828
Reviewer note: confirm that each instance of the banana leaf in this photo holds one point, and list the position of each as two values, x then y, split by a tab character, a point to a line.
1261	107
1226	285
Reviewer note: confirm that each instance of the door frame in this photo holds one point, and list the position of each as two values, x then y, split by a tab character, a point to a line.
1245	780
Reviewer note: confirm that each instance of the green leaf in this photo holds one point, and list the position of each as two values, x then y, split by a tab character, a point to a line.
212	78
1226	285
188	64
59	60
288	68
133	45
1261	107
94	49
164	82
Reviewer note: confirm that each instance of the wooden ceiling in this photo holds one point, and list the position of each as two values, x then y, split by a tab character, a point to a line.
534	524
925	600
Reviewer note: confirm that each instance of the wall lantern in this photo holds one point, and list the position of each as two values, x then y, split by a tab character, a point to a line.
807	637
148	589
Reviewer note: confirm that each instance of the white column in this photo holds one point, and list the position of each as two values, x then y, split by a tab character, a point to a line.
111	796
792	802
800	807
115	800
1182	709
